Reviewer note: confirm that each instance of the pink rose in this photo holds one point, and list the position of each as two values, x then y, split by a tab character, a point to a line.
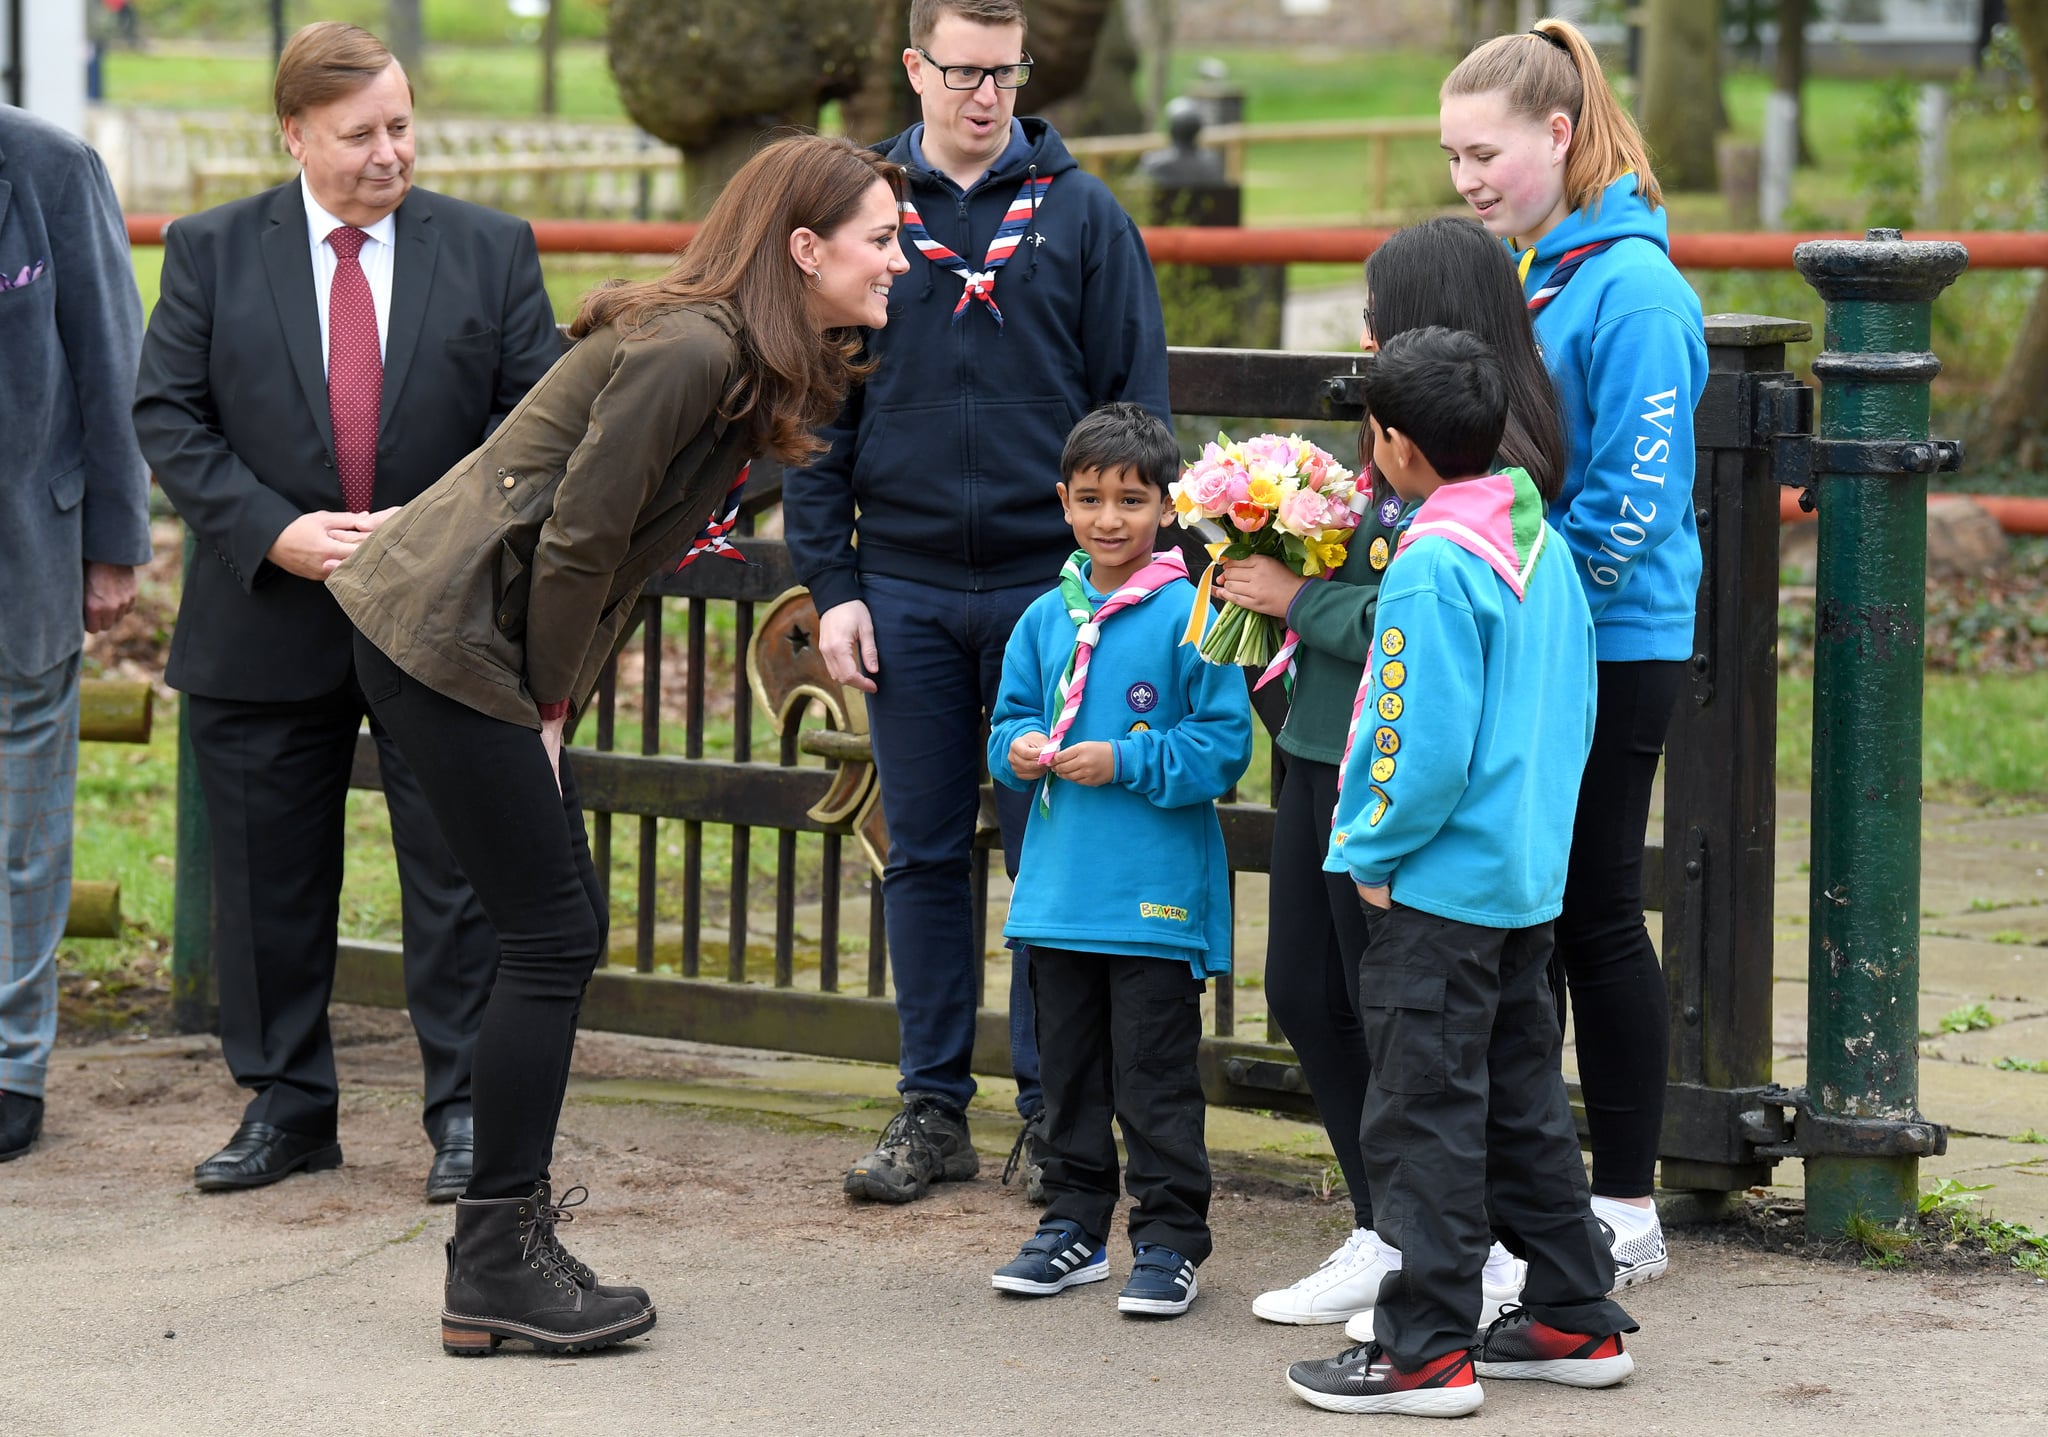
1303	512
1208	488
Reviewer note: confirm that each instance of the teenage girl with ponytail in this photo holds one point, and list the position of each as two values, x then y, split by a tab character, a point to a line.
1553	166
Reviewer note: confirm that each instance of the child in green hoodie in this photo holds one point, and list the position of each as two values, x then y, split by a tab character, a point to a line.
1446	272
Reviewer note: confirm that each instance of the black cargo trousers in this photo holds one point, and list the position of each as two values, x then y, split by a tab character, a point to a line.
1467	1133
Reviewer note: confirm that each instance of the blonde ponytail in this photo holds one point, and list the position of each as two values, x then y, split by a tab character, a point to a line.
1550	69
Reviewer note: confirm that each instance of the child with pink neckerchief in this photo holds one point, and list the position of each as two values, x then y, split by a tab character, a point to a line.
1125	737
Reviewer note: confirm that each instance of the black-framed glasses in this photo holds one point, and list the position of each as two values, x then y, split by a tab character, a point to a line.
969	77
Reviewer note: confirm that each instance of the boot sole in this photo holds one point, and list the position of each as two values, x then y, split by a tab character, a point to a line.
864	1183
320	1161
464	1336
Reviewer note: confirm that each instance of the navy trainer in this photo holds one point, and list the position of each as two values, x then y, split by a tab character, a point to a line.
1057	1258
1162	1283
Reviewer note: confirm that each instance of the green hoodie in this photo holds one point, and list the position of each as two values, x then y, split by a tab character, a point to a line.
1333	618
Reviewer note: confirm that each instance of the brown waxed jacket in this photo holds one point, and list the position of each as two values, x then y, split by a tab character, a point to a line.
505	585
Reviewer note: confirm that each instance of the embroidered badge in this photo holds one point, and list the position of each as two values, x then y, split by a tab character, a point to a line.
1379	810
1390	707
1382	769
1377	554
1386	740
1139	727
1142	698
1390	510
1163	910
1392	642
1394	674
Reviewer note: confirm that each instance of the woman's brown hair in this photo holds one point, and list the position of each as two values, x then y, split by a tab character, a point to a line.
1553	68
791	383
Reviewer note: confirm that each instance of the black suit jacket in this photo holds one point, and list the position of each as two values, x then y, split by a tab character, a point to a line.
231	410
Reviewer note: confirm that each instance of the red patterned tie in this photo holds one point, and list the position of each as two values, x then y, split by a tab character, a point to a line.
355	370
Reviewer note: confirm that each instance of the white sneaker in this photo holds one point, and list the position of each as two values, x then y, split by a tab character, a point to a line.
1348	1282
1636	1238
1500	1288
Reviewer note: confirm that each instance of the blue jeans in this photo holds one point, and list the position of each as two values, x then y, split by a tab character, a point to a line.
38	771
941	653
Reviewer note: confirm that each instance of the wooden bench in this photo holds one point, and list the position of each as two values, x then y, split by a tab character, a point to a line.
109	711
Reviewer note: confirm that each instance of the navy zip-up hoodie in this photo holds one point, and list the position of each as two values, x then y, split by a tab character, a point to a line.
949	453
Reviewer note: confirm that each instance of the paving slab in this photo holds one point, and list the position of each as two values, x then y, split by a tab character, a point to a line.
310	1306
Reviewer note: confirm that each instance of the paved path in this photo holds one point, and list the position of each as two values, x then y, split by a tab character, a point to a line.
309	1306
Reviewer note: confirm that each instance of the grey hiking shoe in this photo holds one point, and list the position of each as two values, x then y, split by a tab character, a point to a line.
1028	1156
925	1143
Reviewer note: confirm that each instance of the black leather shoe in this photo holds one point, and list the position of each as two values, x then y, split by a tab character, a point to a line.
21	1123
259	1154
454	1161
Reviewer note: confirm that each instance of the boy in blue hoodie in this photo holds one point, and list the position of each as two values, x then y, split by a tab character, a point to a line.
1454	821
1124	737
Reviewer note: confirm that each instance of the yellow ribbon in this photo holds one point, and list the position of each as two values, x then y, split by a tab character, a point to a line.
1198	618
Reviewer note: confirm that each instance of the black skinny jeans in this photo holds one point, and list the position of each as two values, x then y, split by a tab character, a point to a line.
1604	957
1314	936
522	845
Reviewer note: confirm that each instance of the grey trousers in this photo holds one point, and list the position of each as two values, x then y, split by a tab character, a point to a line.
38	774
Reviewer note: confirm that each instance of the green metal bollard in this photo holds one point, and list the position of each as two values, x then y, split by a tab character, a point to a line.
1871	457
193	1008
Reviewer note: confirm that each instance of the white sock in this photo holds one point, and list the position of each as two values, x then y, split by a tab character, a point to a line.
1500	1266
1626	1219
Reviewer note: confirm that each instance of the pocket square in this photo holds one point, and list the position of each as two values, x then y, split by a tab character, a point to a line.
27	275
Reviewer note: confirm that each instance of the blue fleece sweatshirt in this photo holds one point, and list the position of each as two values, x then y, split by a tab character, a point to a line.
943	453
1465	760
1135	866
1626	347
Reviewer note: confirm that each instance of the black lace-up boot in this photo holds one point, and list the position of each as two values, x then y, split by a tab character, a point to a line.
556	1213
507	1280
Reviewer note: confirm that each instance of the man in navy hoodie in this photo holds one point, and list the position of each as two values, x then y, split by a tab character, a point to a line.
932	523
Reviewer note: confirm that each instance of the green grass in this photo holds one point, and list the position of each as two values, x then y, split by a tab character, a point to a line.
1982	738
467	80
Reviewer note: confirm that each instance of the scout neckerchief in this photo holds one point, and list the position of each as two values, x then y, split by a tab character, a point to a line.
981	285
1498	519
716	537
1166	567
1559	277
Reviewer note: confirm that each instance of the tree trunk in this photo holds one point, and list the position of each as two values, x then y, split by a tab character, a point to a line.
406	36
707	167
1682	90
885	103
1791	72
1158	48
550	47
2014	423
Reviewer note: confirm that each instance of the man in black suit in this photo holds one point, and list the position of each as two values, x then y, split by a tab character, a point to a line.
320	354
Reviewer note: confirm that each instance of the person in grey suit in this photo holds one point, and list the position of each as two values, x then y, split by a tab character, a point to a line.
321	353
74	524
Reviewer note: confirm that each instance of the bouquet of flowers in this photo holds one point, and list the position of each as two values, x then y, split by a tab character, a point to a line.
1277	495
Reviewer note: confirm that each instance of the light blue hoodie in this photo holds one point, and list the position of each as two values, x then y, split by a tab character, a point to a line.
1627	350
1136	866
1467	748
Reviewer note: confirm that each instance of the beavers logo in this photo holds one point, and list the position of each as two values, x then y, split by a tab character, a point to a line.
1163	910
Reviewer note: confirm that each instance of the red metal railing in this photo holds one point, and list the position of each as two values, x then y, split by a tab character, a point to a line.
1989	249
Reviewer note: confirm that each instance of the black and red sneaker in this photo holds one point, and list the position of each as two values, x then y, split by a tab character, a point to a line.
1364	1379
1518	1346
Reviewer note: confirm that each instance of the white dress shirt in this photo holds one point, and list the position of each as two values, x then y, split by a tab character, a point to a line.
375	259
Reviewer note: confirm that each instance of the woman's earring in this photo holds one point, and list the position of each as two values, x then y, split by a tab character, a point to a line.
817	278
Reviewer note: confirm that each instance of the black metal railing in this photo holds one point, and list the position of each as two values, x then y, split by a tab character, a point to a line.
1712	877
